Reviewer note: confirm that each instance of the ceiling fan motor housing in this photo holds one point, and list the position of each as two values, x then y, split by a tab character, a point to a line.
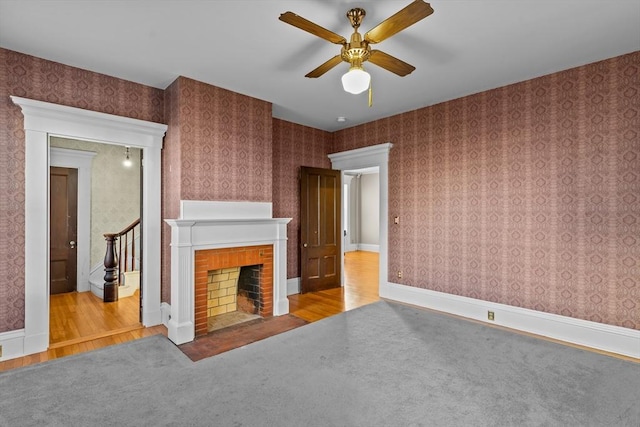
356	51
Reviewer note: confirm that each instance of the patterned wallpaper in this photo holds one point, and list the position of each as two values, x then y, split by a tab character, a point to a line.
221	145
171	171
115	190
30	77
527	195
225	143
294	146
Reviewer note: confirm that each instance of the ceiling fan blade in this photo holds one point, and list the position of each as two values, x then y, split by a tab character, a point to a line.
325	67
310	27
406	17
390	63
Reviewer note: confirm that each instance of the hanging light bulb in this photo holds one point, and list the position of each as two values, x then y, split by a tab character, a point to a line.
127	163
356	80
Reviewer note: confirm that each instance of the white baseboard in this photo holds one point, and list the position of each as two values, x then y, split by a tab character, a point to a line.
165	313
293	286
12	343
152	318
368	247
614	339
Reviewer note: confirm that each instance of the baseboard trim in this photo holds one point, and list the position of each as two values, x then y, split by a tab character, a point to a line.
12	343
165	313
152	318
293	286
369	248
181	333
600	336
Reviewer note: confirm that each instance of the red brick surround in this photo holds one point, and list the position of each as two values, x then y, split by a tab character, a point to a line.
212	259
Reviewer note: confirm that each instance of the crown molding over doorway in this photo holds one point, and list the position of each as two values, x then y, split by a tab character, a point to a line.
42	119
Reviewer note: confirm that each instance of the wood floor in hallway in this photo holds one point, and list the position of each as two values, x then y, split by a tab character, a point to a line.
81	316
79	324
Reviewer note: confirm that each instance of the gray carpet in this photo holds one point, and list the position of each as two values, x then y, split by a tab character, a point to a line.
385	364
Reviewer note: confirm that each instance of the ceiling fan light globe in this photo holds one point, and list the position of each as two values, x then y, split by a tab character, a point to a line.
356	80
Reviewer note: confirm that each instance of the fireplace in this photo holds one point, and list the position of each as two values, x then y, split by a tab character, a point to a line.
212	236
220	290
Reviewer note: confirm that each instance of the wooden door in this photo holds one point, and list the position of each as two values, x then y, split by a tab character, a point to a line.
63	222
320	231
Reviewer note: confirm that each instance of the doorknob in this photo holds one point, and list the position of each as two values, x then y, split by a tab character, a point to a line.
72	244
304	245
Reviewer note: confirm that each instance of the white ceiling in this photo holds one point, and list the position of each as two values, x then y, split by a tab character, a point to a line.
465	47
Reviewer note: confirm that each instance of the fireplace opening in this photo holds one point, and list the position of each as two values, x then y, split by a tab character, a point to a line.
217	274
233	296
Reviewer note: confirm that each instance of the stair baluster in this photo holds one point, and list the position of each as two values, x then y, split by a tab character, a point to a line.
115	265
110	275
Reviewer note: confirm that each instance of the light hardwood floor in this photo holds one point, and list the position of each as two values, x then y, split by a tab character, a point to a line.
81	316
360	288
81	323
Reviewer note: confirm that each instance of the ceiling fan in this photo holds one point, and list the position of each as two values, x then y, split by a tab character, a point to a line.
358	50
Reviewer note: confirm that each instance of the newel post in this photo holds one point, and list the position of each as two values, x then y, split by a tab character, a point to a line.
110	275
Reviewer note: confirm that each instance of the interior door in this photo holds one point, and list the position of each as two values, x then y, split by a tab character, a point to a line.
63	222
320	231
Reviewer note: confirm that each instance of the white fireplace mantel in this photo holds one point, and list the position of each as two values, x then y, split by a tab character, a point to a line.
213	225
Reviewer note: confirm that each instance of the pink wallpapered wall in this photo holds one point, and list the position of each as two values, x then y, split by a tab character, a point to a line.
225	141
294	146
219	148
171	173
30	77
527	195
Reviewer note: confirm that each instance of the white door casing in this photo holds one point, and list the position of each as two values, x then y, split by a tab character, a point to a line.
375	155
42	119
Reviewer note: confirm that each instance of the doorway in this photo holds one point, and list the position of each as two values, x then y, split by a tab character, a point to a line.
42	119
370	157
110	193
361	227
361	210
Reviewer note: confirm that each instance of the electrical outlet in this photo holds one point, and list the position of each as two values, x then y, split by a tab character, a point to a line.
396	220
491	315
399	274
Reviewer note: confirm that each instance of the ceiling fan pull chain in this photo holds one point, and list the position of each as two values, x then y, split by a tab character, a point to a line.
370	95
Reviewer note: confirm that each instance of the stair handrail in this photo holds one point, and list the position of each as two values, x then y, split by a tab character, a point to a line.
115	265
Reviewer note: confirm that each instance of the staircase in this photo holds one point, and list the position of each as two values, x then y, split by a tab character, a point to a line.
120	271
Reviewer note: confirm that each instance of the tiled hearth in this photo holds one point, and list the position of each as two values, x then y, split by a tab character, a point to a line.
217	235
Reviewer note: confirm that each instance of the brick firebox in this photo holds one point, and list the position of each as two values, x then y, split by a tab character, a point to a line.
213	259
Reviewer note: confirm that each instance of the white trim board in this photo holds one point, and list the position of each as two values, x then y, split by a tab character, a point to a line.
613	339
368	247
12	343
293	286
